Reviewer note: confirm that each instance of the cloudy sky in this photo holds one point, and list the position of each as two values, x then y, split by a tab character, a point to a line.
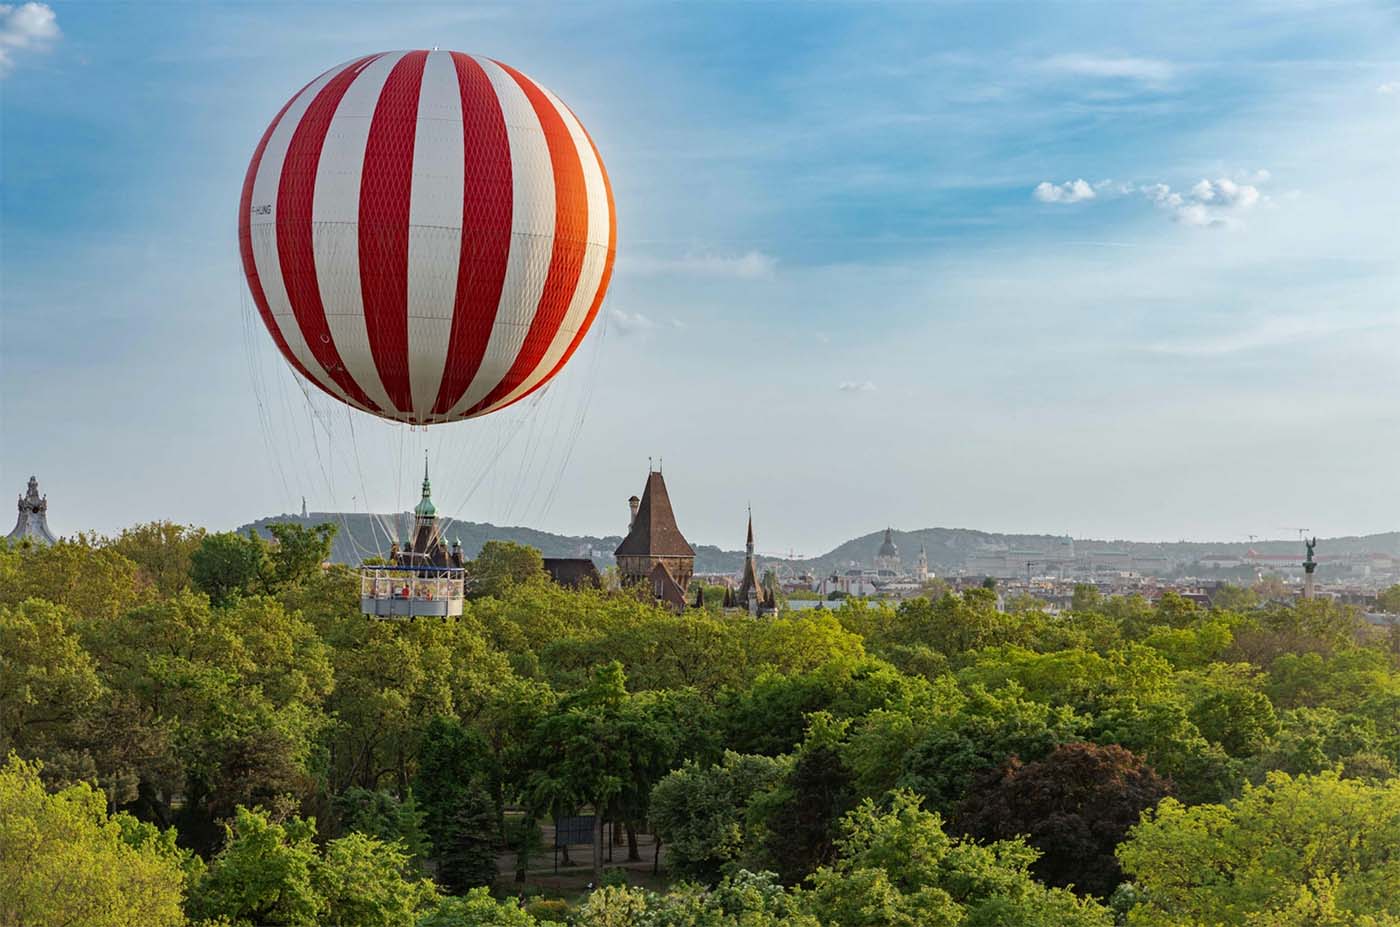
1114	270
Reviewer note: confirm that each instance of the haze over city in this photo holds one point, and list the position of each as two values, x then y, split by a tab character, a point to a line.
1084	269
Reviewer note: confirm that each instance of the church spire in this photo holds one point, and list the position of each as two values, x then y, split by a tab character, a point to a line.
425	509
748	546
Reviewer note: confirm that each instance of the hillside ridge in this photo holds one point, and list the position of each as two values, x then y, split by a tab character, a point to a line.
363	535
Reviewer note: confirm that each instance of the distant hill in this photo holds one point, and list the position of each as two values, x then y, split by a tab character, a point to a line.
361	535
949	549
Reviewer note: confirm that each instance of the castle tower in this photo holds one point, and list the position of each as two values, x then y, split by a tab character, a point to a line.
32	524
655	553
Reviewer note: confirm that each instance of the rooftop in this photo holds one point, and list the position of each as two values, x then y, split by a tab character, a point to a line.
654	532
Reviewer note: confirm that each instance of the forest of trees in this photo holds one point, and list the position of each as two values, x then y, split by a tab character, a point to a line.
200	728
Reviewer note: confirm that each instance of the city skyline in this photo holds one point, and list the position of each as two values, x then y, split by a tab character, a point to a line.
1066	270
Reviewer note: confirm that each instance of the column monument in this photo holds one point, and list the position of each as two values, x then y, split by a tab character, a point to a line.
1308	566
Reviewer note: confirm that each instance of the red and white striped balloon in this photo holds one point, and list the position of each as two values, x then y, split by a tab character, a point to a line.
427	235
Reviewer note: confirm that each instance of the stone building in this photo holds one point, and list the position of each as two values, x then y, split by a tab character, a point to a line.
655	554
33	523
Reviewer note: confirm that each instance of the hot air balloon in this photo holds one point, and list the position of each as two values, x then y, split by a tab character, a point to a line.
427	235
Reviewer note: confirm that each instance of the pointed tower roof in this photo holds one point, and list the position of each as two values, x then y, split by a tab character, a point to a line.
750	582
425	507
654	532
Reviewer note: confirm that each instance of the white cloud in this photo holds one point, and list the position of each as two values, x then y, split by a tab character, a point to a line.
1207	204
1389	87
749	265
629	323
856	386
1071	191
1144	70
30	27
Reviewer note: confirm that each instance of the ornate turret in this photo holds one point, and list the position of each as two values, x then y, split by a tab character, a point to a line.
33	523
427	546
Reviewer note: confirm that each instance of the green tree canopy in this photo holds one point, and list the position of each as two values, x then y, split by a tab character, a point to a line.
1312	842
65	863
899	867
228	564
699	811
274	874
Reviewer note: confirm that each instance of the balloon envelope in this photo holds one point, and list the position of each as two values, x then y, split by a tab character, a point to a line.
427	235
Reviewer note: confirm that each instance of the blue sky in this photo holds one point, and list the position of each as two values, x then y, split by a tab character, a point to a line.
1117	270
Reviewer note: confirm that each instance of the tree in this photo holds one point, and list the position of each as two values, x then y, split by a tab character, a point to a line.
746	898
391	681
1074	806
383	816
96	583
898	867
273	874
227	564
236	692
501	565
466	842
1287	846
475	909
265	874
987	728
1232	598
1087	598
65	863
592	749
1238	718
452	762
699	811
162	550
956	624
800	817
297	551
48	680
364	883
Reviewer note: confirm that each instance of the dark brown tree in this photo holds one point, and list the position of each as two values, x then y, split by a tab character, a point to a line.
1075	806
